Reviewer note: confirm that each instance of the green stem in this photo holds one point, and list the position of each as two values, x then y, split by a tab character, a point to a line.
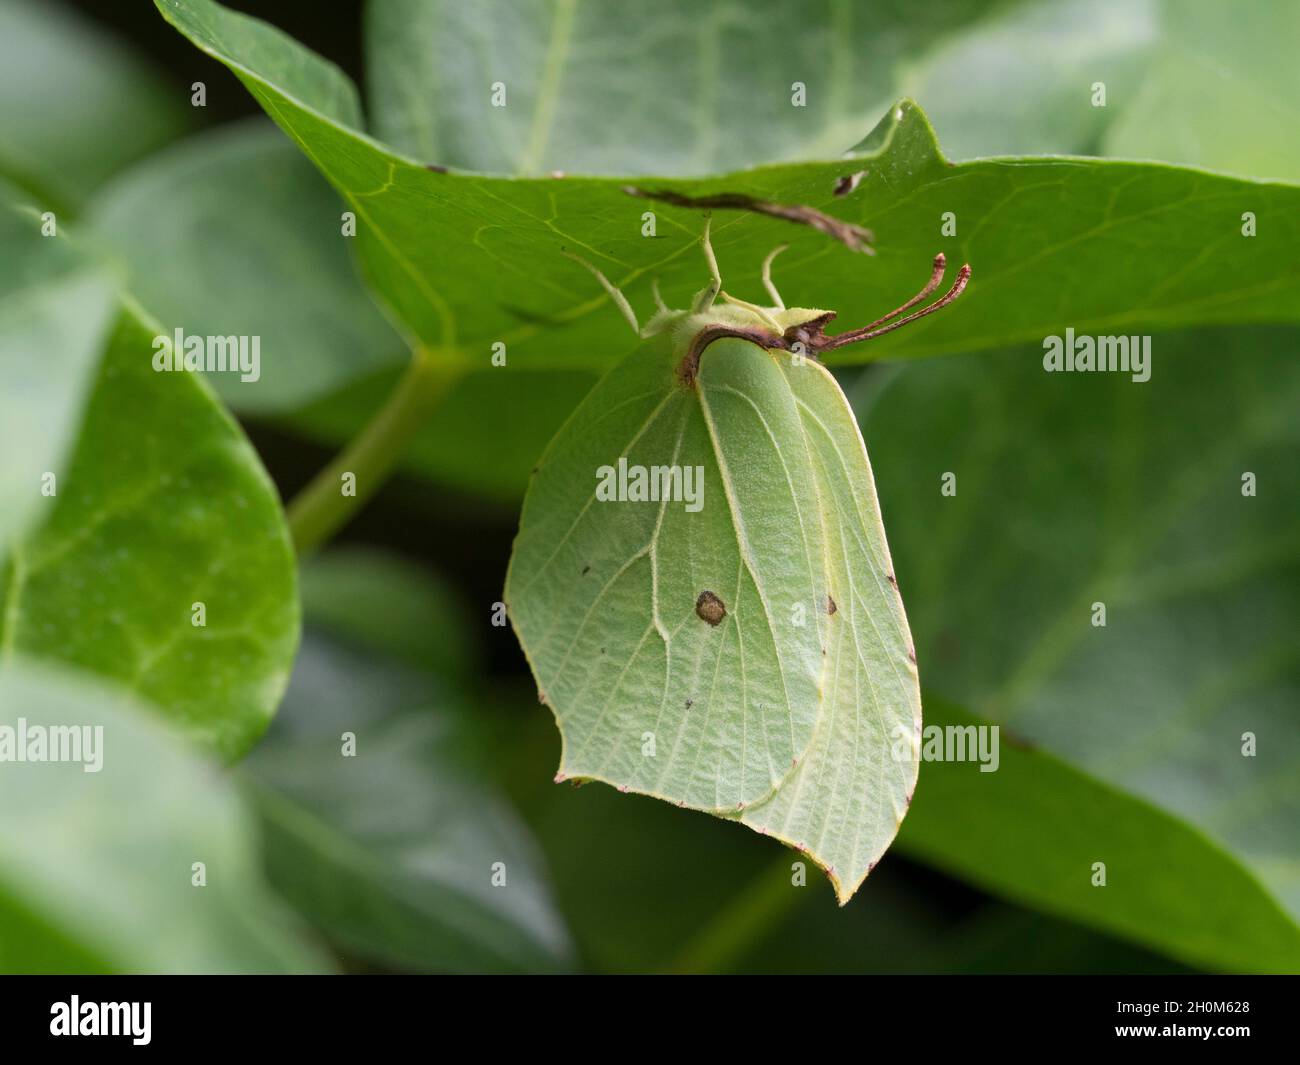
321	509
743	922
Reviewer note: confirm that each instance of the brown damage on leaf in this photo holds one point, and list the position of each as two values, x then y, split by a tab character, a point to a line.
1017	741
831	608
852	236
710	608
848	183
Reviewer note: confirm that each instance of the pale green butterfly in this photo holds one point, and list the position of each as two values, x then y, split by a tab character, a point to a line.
702	586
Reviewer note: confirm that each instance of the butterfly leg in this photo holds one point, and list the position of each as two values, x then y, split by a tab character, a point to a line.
705	297
768	284
658	297
615	293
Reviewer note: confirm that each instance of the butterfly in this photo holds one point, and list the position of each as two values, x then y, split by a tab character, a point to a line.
741	649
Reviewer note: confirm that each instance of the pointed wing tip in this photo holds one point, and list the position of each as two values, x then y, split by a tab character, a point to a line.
844	890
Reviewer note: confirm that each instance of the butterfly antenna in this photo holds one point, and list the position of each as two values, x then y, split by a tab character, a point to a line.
879	328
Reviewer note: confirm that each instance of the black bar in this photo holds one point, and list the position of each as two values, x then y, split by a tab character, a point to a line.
366	1013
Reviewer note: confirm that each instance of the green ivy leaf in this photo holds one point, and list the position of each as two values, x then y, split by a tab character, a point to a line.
54	302
163	505
390	852
466	260
1020	80
97	867
1079	489
100	105
703	91
1202	84
1032	829
249	217
1221	84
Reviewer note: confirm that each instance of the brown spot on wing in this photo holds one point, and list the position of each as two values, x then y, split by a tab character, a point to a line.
710	608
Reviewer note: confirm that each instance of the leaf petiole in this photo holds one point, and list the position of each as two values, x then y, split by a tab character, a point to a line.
332	498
